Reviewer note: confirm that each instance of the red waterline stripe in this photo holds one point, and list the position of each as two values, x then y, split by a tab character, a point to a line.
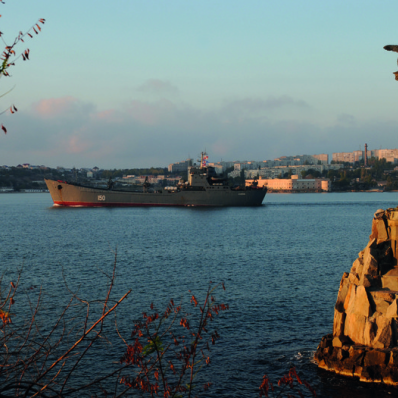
85	204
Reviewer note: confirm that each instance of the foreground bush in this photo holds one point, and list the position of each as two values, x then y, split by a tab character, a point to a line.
163	357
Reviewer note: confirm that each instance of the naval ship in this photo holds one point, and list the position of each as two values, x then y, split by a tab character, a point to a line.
203	188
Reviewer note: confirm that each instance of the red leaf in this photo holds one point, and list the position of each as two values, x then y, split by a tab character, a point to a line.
206	386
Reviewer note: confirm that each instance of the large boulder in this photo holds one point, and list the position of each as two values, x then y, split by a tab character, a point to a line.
364	343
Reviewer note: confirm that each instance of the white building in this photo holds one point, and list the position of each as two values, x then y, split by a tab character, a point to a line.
391	155
180	166
297	160
349	157
294	184
275	172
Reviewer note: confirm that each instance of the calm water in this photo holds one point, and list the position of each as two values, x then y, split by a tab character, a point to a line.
281	263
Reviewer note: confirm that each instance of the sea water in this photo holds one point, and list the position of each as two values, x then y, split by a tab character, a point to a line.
281	264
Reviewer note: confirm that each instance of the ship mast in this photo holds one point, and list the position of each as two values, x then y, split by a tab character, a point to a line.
203	158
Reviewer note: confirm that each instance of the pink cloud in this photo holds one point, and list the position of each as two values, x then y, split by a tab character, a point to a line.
53	107
107	116
75	144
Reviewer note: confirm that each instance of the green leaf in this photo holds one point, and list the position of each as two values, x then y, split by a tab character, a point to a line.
154	345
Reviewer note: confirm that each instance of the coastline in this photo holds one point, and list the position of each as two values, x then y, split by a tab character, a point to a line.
269	192
327	192
27	191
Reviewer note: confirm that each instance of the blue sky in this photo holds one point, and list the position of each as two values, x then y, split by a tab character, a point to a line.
145	83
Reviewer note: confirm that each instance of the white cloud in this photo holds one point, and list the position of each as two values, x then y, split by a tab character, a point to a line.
157	86
68	132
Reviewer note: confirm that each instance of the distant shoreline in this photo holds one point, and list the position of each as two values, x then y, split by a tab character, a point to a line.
268	193
294	192
28	191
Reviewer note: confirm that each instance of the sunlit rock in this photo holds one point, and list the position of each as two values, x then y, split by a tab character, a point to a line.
383	338
338	323
364	343
392	310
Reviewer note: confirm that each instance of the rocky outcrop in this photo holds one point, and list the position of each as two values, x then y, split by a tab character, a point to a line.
364	343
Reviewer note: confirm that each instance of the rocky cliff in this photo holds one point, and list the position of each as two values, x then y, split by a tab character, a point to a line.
364	342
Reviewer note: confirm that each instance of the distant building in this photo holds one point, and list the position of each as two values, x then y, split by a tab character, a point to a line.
34	190
391	155
275	172
180	167
218	168
234	174
323	158
295	184
348	157
242	166
297	160
250	165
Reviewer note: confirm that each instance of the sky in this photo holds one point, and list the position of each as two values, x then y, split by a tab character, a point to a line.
141	83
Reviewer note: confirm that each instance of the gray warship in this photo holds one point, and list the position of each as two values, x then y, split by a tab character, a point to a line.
203	188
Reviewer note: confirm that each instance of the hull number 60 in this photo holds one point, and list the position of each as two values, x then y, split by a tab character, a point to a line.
101	197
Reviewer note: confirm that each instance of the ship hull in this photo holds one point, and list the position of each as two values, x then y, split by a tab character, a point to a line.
65	194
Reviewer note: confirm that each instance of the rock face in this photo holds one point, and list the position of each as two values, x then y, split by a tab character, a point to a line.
364	343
